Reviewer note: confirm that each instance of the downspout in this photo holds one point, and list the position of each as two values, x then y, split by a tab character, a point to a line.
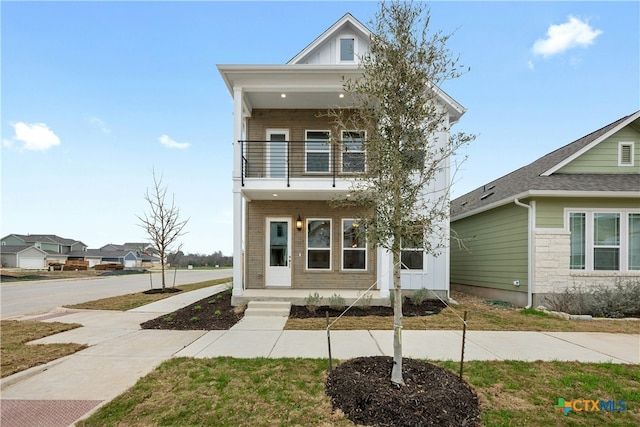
529	251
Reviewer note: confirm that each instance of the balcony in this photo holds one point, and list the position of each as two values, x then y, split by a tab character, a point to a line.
313	159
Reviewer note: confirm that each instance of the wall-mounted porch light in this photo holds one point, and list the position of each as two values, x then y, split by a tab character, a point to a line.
299	223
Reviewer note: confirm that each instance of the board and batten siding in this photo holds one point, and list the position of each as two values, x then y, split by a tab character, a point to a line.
550	211
497	249
603	158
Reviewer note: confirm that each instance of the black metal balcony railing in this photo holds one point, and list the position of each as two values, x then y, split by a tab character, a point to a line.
300	159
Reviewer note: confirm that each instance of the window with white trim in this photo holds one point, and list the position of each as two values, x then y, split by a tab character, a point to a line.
604	240
347	51
354	246
412	252
318	244
625	154
353	155
317	150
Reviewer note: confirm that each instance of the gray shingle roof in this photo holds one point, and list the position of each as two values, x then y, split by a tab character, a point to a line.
46	238
14	249
529	178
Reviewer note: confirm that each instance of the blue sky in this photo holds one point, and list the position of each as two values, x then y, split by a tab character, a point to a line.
95	95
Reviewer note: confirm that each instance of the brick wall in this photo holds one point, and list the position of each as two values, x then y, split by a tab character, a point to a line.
302	278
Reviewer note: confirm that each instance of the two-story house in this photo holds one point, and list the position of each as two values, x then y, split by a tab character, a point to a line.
56	248
287	234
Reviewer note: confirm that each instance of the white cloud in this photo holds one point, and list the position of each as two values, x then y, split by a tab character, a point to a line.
100	124
530	65
560	38
32	137
170	143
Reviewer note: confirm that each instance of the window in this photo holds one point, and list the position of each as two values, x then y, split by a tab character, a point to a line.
319	244
634	241
354	246
604	240
577	229
625	154
317	151
412	253
347	49
353	160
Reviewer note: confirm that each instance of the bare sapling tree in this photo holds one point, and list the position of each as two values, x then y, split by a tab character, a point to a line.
402	197
162	222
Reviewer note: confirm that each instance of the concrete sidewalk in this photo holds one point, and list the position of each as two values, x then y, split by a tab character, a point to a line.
120	353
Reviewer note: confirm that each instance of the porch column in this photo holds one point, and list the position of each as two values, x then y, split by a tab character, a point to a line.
238	261
384	272
238	218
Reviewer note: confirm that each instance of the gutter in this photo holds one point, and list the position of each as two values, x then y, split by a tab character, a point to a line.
530	263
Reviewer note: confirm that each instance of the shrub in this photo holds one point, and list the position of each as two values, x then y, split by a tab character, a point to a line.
197	308
217	312
336	302
194	319
620	300
312	302
365	301
419	296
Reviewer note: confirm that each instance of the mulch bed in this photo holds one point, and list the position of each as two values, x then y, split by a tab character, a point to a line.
431	396
409	309
212	313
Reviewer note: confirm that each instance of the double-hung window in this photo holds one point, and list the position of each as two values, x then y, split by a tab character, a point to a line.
602	240
412	253
318	151
353	155
319	244
354	246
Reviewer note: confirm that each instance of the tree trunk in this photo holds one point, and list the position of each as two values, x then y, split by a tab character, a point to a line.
396	372
162	264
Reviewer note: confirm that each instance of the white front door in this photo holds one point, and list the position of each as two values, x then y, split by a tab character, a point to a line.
277	153
278	252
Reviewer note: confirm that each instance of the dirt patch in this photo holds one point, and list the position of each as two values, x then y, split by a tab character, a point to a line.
212	313
431	396
162	291
409	309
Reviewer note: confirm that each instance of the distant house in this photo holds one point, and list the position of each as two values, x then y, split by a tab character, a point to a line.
286	171
27	257
56	248
570	218
17	251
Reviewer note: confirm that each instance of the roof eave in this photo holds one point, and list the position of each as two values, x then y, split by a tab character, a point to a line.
547	193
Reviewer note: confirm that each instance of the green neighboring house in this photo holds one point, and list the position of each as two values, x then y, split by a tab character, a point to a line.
571	218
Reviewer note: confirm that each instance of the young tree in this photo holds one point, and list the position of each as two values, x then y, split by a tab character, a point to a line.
162	222
403	195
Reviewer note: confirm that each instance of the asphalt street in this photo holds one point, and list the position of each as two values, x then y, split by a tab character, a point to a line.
34	297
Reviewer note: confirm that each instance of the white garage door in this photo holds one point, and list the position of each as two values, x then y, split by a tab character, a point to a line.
129	263
31	263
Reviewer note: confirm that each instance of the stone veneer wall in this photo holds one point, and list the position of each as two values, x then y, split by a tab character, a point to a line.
552	273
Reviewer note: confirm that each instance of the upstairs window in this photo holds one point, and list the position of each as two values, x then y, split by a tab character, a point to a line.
347	49
353	158
318	154
625	154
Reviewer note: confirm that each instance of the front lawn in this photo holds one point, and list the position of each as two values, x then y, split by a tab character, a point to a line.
289	392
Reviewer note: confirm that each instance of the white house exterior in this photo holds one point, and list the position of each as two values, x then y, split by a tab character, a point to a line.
286	233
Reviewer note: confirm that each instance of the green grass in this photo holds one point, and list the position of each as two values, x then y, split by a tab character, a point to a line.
131	301
225	392
289	392
17	356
